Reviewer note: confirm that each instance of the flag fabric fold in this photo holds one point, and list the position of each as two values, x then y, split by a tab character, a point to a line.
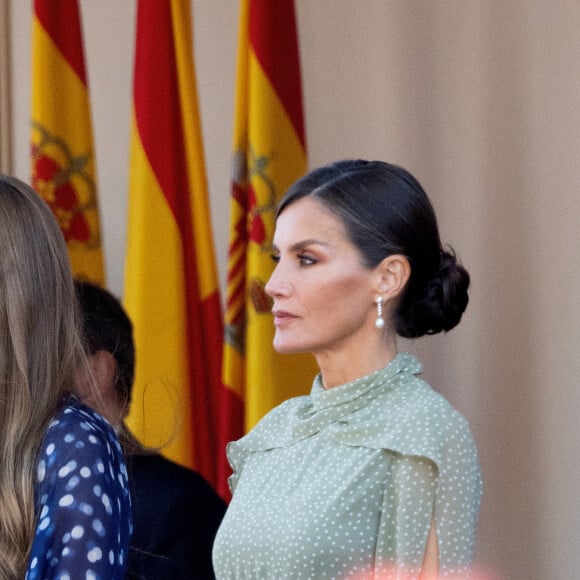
269	153
62	153
171	289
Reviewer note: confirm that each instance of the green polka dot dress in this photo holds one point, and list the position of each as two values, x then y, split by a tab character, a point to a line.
346	482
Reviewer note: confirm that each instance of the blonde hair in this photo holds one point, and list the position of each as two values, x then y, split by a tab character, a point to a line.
41	356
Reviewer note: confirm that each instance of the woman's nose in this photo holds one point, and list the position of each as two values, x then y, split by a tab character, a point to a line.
276	286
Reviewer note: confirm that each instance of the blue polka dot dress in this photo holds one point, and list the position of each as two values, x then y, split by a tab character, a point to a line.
82	500
346	482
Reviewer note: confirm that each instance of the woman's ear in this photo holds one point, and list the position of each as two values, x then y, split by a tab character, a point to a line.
110	404
104	368
392	276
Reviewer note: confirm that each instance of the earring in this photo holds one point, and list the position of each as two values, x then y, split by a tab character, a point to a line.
379	321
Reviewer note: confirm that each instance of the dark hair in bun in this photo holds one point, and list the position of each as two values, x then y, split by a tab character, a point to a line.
441	304
386	211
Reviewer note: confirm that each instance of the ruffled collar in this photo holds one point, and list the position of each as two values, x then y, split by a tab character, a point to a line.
386	378
334	405
389	409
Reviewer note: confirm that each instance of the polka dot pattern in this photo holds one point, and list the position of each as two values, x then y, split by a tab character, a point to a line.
82	500
345	483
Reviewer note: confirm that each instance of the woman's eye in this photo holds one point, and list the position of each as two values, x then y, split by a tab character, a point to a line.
306	260
275	258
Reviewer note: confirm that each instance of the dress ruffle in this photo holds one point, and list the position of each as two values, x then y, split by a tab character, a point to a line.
390	409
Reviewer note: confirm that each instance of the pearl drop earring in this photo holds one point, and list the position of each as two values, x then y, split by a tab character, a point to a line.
379	321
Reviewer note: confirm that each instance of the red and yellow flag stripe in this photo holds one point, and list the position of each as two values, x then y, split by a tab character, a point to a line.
63	161
171	288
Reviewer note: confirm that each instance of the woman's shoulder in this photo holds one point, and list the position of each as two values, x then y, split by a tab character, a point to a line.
420	401
77	434
74	419
81	490
412	419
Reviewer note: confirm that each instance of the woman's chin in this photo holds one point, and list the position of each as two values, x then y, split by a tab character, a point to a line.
286	347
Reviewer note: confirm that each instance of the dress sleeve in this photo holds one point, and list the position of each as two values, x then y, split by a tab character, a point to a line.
458	499
83	522
418	491
410	495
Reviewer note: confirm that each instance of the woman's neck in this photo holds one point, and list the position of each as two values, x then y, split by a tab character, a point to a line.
338	368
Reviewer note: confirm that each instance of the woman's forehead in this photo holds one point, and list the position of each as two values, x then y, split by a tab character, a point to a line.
308	218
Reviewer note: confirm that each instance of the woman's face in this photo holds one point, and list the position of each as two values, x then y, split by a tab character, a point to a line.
323	294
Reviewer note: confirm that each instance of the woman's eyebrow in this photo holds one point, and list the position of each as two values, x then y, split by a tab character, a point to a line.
305	243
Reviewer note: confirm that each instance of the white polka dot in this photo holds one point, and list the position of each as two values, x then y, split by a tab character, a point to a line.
67	469
86	508
98	527
66	500
107	503
77	532
44	524
72	483
94	555
41	471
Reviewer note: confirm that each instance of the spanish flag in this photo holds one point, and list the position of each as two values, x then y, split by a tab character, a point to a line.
63	160
269	154
171	289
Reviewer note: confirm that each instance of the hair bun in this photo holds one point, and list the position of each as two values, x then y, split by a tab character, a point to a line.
442	304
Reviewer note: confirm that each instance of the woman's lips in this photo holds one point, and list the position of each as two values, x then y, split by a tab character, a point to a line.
281	317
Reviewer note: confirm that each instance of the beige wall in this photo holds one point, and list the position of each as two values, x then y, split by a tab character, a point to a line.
481	100
5	100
